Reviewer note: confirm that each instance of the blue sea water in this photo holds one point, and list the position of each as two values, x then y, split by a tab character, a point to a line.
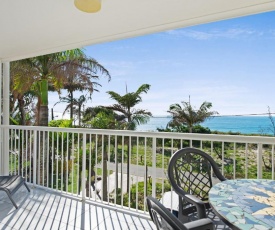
243	124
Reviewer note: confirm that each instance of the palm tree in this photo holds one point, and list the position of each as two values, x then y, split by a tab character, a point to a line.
21	107
49	72
79	102
22	93
74	104
80	76
125	105
188	115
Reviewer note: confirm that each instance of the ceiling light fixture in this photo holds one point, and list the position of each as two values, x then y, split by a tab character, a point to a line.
88	6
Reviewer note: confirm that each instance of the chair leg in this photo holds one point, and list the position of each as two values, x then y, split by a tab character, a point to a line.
12	200
27	187
9	195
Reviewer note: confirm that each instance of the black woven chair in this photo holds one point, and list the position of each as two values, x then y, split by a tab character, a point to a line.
190	172
10	184
164	219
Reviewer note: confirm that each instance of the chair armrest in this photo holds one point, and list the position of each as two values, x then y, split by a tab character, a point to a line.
200	206
201	224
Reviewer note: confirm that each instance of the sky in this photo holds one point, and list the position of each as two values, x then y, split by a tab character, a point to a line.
230	63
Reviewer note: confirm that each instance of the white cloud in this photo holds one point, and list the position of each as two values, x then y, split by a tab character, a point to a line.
215	33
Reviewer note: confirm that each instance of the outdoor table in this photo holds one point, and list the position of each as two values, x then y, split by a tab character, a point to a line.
245	204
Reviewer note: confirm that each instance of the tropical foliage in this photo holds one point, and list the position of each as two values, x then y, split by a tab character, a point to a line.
70	70
74	105
187	115
22	95
126	103
99	112
82	76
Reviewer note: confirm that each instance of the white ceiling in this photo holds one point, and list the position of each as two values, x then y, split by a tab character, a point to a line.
35	27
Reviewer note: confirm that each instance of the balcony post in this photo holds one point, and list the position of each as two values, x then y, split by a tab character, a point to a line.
84	168
154	152
1	130
6	117
34	155
259	161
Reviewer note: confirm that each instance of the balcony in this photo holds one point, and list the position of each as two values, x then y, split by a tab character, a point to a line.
83	177
46	209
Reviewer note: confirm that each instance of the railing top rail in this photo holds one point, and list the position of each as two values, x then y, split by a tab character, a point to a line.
185	136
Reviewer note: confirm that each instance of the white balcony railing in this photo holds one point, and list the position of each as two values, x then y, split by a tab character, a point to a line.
55	158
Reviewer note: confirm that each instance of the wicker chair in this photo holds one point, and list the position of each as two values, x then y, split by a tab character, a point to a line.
164	219
10	184
190	172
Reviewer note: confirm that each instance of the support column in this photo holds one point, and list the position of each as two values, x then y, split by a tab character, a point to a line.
1	129
83	174
260	161
6	116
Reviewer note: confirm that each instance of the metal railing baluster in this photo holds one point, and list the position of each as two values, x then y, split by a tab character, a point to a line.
51	157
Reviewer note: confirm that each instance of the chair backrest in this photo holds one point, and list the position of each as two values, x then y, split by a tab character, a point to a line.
162	218
189	171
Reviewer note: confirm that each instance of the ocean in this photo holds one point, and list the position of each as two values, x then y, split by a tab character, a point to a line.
243	124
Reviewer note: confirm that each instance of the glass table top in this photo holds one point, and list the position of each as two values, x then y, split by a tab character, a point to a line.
246	204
